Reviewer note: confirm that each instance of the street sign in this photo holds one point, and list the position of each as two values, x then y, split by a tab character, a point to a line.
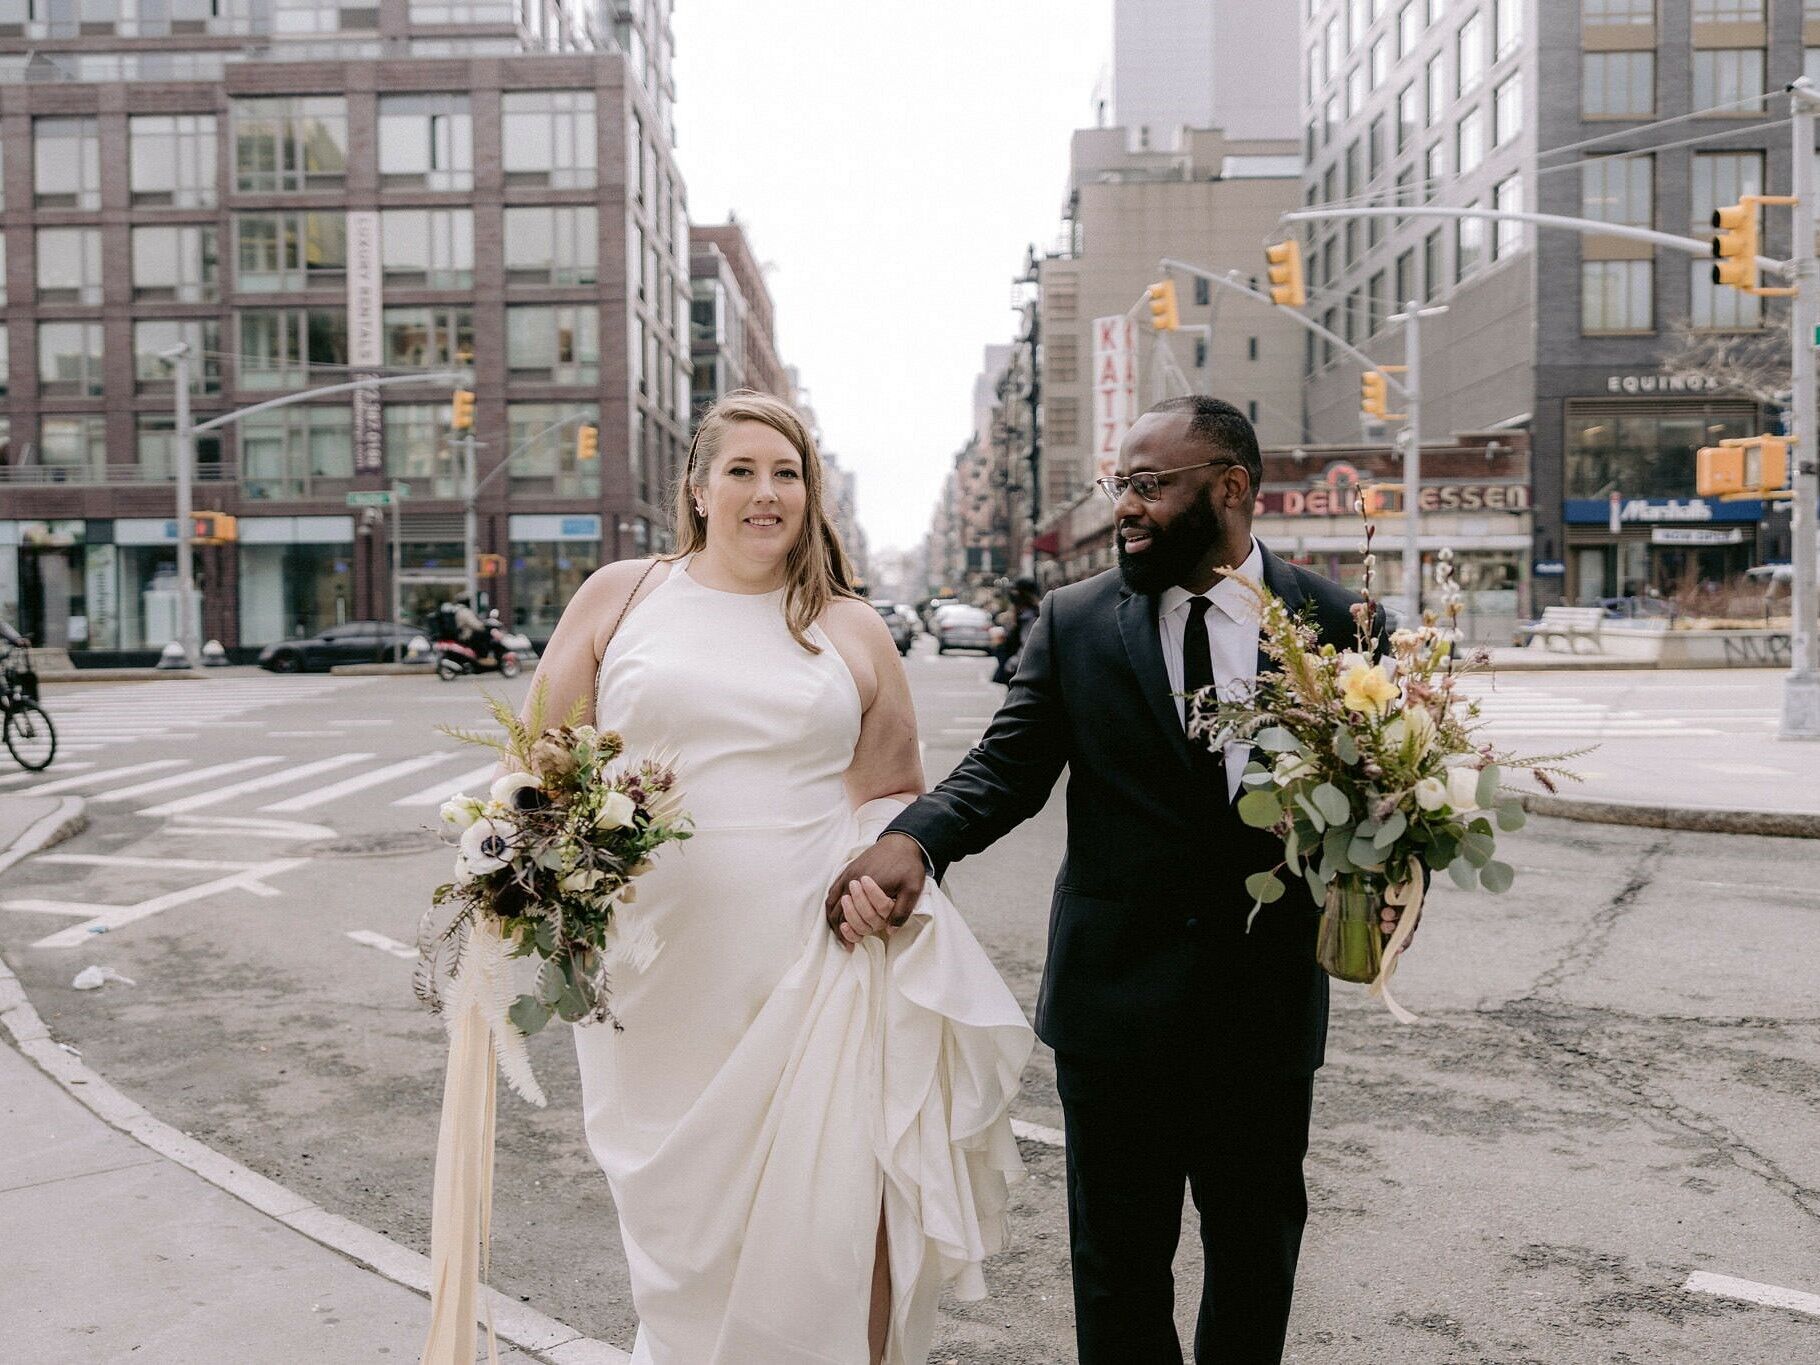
378	497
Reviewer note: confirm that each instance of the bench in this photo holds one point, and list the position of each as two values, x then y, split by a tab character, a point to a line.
1568	624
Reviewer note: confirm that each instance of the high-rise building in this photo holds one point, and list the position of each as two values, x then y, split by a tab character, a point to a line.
303	192
732	332
1551	106
1226	64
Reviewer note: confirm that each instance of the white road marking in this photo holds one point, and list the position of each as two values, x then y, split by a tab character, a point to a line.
100	917
381	942
1773	1296
11	778
189	778
1035	1132
1746	769
250	826
323	795
130	860
449	786
254	784
305	734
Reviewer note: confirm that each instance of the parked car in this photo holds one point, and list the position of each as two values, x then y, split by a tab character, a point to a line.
356	642
933	605
901	633
962	627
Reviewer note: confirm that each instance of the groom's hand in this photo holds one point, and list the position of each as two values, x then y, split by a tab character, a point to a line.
877	891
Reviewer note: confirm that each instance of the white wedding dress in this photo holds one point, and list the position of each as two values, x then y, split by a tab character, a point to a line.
770	1092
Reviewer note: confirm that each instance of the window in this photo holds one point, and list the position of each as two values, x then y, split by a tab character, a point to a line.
1470	142
1615	296
152	338
173	159
69	265
1720	308
1351	233
1406	116
1508	23
1721	178
1728	11
156	440
1727	75
1644	454
1409	28
428	338
1330	115
426	141
1469	46
1437	89
1507	236
1355	90
1354	316
1406	277
1374	304
1596	12
66	163
285	454
290	143
1406	190
1203	295
69	359
1810	63
1431	265
560	344
75	443
1355	180
548	137
176	264
1617	84
278	346
1434	10
1315	78
548	463
1380	62
552	245
1434	171
1355	23
1374	149
417	448
427	248
1469	245
1330	320
290	251
1620	191
463	12
1335	51
1507	111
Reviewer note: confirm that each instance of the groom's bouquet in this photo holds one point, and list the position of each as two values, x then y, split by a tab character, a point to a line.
543	865
1370	769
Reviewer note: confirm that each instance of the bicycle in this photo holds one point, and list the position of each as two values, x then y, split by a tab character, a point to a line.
24	726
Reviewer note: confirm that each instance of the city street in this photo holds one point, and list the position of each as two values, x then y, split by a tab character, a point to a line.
1614	1084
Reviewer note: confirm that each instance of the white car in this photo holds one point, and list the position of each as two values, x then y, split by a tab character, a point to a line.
963	627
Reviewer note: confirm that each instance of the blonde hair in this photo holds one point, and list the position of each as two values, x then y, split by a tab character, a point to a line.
816	571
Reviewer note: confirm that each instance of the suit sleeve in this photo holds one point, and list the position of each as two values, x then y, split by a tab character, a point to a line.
1006	778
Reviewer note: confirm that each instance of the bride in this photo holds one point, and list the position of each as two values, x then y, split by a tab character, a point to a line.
806	1135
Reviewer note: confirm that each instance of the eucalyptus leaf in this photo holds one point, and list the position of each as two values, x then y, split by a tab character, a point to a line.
1257	777
1443	850
1464	874
546	937
1511	815
1332	803
1345	747
573	1005
1487	795
1478	847
1362	853
1315	817
528	1014
551	982
1391	830
1317	886
1292	851
1260	809
1274	739
1264	887
1496	876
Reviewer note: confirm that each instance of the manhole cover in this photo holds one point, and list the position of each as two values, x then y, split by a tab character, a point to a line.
390	845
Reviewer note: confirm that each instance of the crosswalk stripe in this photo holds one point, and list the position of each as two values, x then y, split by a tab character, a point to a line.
441	791
108	775
23	776
189	778
254	784
323	795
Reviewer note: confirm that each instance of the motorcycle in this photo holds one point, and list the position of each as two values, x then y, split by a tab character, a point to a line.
457	660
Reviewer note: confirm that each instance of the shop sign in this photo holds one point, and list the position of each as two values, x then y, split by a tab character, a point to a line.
365	336
1550	568
1114	388
1661	383
1335	499
1695	535
51	535
1597	511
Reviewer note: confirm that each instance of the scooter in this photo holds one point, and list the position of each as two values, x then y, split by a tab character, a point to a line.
456	660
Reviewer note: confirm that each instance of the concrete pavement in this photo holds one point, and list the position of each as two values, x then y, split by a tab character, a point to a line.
128	1240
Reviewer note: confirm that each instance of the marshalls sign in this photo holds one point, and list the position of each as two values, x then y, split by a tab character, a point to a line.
1115	388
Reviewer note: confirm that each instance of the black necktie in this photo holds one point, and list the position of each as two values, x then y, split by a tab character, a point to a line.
1197	673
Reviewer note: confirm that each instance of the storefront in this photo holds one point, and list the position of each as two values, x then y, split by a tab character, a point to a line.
1657	547
549	558
93	585
296	576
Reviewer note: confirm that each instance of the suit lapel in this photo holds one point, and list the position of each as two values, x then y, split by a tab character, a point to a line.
1280	578
1137	624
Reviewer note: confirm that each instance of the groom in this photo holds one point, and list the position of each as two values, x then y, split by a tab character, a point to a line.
1185	1046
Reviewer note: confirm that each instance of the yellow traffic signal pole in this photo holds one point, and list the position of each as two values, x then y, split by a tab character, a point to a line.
188	628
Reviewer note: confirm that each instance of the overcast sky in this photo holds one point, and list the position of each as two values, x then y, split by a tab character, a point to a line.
890	161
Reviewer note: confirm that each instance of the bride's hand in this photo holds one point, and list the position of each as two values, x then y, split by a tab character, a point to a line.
865	910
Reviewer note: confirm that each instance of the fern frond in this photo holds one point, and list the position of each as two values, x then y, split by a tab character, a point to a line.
472	737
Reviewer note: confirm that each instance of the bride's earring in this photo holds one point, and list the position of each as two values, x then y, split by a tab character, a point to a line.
701	511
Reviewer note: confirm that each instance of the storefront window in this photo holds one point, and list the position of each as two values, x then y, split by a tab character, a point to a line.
1644	454
288	592
545	575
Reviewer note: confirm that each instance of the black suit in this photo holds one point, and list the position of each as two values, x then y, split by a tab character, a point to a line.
1185	1046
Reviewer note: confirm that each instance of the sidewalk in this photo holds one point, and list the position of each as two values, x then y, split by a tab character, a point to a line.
128	1241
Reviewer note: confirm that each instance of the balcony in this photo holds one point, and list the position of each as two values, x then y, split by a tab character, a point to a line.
108	475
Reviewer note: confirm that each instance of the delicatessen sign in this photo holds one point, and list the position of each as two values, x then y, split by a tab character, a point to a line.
1336	499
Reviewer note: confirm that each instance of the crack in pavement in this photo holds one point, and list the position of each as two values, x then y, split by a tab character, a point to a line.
1589	945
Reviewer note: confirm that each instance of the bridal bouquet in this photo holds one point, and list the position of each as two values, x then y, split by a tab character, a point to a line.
1370	770
542	866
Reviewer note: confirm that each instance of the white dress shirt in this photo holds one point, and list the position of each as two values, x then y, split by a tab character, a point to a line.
1232	635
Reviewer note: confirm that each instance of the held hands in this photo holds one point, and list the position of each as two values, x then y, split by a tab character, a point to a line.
877	891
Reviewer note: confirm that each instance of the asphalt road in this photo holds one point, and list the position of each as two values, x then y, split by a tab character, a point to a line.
1616	1081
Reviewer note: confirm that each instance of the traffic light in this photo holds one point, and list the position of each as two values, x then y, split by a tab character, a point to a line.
1742	467
1374	394
1736	242
1287	289
587	444
490	566
461	410
1163	314
213	528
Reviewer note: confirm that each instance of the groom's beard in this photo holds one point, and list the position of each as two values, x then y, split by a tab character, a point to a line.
1174	550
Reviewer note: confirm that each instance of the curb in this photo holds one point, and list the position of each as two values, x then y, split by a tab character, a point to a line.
423	670
516	1323
118	675
1767	823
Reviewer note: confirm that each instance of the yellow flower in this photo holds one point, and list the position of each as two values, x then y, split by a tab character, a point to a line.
1367	689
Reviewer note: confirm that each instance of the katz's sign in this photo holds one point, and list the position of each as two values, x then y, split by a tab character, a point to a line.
1335	499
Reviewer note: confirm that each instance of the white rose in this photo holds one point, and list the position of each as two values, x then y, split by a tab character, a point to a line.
582	879
486	845
1463	788
1431	793
616	811
458	813
504	791
1291	768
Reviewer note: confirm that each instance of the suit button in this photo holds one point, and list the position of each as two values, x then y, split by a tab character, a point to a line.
1193	924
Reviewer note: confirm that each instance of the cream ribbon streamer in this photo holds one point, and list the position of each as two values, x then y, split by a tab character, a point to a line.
1409	896
461	1219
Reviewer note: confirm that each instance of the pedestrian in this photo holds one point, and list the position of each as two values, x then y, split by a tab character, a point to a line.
1185	1040
1016	620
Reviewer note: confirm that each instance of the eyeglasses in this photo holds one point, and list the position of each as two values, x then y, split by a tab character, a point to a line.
1149	485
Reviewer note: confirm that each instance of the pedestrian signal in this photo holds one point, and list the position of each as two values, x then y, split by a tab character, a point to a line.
213	528
1163	313
491	566
1287	288
1742	467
